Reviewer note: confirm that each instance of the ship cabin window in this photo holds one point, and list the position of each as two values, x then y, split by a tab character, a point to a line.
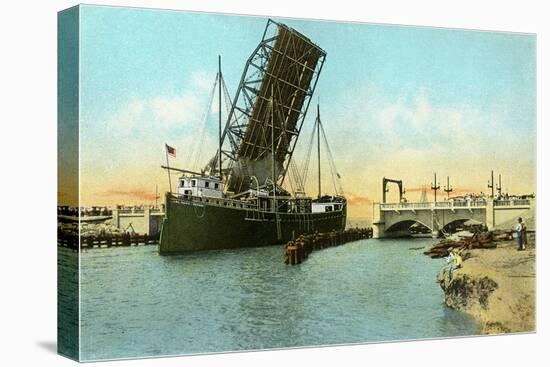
182	183
193	183
328	208
337	207
216	185
187	192
206	184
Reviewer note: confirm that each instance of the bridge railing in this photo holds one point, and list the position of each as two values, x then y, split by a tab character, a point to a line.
138	211
454	204
406	205
396	206
478	203
513	202
431	205
460	204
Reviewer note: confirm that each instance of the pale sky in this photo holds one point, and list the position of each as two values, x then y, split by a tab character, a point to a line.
396	101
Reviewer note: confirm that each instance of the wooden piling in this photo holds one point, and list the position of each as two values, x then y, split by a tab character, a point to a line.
295	252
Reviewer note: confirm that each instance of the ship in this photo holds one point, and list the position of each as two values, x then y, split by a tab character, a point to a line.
241	198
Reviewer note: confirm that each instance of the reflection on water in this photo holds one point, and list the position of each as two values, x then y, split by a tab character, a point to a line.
137	303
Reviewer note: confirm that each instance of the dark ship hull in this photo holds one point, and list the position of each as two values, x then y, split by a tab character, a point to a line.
196	224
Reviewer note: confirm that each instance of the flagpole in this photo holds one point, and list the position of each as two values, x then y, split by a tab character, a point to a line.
168	166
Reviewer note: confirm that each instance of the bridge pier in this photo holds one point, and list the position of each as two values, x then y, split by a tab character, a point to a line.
490	215
378	225
116	218
435	226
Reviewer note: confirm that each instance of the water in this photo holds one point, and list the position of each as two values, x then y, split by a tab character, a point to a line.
137	303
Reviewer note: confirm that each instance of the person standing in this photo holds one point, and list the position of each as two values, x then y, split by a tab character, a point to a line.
519	232
523	235
454	261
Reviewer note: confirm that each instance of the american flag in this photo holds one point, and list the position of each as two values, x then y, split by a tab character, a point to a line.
171	151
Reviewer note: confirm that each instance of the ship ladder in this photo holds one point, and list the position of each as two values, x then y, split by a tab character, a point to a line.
255	215
251	215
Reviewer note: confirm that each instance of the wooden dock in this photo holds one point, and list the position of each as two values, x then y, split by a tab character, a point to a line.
104	241
295	252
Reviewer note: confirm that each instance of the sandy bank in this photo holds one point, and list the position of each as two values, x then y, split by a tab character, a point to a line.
496	286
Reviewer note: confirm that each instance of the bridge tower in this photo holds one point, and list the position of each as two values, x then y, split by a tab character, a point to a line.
448	189
435	187
499	187
491	185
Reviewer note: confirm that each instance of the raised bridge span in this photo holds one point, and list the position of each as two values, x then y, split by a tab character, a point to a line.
391	219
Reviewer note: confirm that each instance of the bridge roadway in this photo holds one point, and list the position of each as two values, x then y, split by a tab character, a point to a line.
391	219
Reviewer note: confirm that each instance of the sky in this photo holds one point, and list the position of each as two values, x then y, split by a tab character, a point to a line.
396	101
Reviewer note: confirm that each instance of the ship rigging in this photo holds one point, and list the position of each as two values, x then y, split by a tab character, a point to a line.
243	195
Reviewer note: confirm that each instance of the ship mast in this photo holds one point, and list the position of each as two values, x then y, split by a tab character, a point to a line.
220	115
273	149
318	120
273	168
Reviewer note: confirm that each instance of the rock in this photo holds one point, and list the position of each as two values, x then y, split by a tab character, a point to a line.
463	292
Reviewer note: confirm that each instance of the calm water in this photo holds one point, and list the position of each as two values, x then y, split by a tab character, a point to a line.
136	303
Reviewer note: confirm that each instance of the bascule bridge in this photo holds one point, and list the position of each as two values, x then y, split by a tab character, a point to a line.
395	219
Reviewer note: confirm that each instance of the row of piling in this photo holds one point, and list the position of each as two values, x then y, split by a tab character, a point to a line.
104	241
296	251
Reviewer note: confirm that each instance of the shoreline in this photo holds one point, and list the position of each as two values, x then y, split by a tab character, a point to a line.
497	287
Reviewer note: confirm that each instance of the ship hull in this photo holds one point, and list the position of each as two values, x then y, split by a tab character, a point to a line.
191	225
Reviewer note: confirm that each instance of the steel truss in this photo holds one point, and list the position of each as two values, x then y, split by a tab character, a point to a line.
284	68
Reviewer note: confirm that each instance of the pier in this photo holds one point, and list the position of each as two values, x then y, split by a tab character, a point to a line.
101	227
104	241
391	219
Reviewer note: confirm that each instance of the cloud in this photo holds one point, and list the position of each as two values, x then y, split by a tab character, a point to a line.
416	125
169	111
412	134
125	150
353	199
422	112
132	194
203	81
161	114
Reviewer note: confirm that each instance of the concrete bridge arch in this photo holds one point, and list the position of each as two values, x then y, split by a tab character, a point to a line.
389	217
